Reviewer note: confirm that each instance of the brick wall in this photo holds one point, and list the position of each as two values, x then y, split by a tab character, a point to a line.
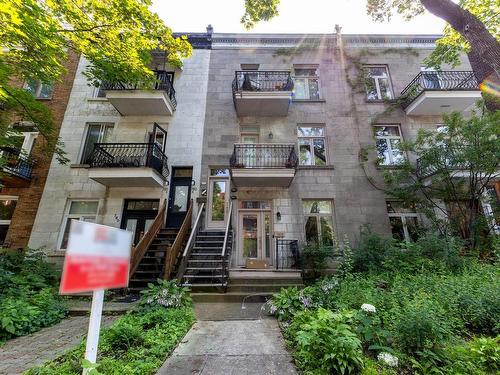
29	197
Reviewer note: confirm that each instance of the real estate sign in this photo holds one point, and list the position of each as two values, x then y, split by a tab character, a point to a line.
98	257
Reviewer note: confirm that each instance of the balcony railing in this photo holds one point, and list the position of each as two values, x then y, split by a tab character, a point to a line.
129	155
265	81
438	81
16	164
163	83
287	254
451	161
264	155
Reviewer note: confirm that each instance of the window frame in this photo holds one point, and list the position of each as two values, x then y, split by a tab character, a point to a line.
67	216
82	153
311	144
403	216
377	84
317	216
8	222
307	79
389	145
38	89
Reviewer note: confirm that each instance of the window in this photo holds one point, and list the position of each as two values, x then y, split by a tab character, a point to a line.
78	210
306	83
491	205
99	92
39	90
388	141
312	149
7	207
378	86
318	221
404	221
96	133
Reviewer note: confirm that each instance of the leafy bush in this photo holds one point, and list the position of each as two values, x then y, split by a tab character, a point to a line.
141	350
28	294
165	293
315	259
287	303
324	342
371	252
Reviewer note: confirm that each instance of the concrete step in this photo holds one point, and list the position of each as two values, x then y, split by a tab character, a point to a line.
211	296
259	288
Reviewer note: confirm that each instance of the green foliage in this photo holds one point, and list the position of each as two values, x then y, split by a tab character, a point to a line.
115	36
325	343
259	10
28	294
286	304
315	258
137	343
165	293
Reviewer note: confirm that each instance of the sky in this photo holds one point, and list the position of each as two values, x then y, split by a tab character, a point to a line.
296	16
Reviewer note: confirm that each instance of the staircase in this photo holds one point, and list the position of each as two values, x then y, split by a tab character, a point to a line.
152	264
206	268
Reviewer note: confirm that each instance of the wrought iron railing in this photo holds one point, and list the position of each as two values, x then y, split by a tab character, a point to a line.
16	164
264	155
438	81
163	83
127	155
262	81
449	161
287	254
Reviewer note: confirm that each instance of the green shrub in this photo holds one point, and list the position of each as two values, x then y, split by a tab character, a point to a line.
165	293
287	303
370	252
123	336
315	259
323	342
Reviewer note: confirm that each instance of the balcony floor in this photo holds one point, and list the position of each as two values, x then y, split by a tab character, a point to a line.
127	177
140	102
262	103
247	177
439	102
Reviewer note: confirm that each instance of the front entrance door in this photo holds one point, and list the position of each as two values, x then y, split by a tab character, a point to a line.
179	196
218	198
255	236
138	215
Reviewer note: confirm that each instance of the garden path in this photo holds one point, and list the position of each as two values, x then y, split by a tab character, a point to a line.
23	353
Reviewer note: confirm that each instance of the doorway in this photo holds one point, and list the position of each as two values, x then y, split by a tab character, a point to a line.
218	196
179	196
138	215
255	228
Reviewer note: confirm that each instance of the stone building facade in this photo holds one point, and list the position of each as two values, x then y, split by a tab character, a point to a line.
22	190
269	130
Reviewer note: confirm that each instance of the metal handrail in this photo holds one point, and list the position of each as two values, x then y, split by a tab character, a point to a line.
262	80
190	243
438	81
264	155
228	227
287	254
129	155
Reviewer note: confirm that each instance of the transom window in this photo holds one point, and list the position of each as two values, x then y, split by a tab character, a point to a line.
377	82
388	141
318	217
255	205
78	210
39	90
404	221
96	133
312	149
306	83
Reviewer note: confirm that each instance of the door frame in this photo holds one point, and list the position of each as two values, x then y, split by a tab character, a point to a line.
172	190
138	214
241	261
210	224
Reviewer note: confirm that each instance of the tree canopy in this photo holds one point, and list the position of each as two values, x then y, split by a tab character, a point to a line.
115	36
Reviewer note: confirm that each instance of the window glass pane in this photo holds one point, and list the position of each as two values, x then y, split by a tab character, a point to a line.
397	154
7	208
143	205
311	229
377	71
300	89
254	205
310	131
218	200
383	152
371	89
313	89
3	232
219	172
31	87
397	228
46	91
326	224
319	152
314	207
183	172
83	208
267	235
305	154
93	134
180	198
250	236
385	90
401	207
305	72
381	131
412	227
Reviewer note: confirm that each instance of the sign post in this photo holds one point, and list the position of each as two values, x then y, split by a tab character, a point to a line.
97	258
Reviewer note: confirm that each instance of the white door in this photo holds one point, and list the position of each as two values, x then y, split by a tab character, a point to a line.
255	236
218	199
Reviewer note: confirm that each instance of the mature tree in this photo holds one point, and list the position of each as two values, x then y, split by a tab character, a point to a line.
472	27
115	36
456	166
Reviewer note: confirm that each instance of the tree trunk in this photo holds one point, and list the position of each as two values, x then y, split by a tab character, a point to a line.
484	54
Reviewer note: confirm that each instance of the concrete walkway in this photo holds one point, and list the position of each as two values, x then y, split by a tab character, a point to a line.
231	347
23	353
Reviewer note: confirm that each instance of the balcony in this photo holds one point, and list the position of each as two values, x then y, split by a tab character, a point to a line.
128	165
263	164
262	93
134	100
452	162
435	93
16	169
